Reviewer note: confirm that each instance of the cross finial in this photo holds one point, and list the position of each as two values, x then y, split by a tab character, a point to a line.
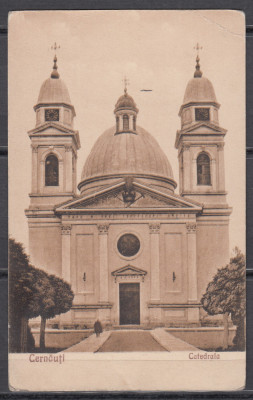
126	83
55	73
198	47
198	72
55	47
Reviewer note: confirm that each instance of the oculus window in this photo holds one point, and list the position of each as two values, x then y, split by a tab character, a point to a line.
128	245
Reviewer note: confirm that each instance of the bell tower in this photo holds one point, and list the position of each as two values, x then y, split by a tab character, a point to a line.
200	143
54	144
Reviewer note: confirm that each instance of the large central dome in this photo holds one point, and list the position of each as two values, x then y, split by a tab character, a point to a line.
114	156
126	153
126	150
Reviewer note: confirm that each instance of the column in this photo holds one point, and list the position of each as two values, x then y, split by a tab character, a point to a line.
66	318
103	262
193	313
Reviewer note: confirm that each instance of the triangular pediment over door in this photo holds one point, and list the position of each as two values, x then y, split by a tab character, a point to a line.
129	271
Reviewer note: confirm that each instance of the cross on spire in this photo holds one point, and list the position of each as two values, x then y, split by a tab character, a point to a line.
198	47
55	47
126	83
198	72
55	74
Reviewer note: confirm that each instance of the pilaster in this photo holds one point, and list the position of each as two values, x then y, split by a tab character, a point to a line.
193	313
220	151
213	174
68	169
34	168
186	168
154	230
103	262
66	237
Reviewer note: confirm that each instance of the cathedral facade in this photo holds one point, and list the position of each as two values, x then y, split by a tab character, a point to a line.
134	251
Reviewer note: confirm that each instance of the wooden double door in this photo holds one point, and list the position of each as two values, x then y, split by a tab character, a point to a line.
129	303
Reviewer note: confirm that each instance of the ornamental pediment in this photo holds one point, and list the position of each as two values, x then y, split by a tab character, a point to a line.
116	200
51	128
204	128
139	198
129	272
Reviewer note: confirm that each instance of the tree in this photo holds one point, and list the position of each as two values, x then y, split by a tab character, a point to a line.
32	293
57	299
225	294
21	293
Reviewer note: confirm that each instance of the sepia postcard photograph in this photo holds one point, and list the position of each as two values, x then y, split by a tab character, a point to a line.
126	200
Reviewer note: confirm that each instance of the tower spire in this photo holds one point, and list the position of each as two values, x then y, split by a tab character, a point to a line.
55	73
198	72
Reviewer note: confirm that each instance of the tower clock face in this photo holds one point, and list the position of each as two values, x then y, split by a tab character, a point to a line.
52	114
202	114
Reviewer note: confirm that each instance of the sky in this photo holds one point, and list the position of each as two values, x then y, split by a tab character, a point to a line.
154	50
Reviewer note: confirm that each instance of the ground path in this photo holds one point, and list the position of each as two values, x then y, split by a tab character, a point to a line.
158	339
131	341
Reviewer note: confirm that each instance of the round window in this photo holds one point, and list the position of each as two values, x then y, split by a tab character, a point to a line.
128	245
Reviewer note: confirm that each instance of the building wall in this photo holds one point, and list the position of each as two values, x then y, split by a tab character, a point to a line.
173	258
164	255
45	246
84	259
212	248
170	257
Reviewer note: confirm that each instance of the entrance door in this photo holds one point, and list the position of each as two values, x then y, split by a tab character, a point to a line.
129	303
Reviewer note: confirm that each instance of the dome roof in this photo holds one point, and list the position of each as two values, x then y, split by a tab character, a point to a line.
54	91
125	102
199	89
126	153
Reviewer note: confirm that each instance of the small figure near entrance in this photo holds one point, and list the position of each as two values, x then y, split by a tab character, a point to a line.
98	328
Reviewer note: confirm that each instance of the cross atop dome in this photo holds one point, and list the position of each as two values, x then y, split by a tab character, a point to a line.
198	47
55	47
55	73
198	72
126	83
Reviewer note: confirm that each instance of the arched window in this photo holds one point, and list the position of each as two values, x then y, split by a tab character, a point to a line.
51	171
134	123
117	124
125	122
203	169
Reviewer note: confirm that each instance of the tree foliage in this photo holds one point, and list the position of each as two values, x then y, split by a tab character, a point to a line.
32	293
226	294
